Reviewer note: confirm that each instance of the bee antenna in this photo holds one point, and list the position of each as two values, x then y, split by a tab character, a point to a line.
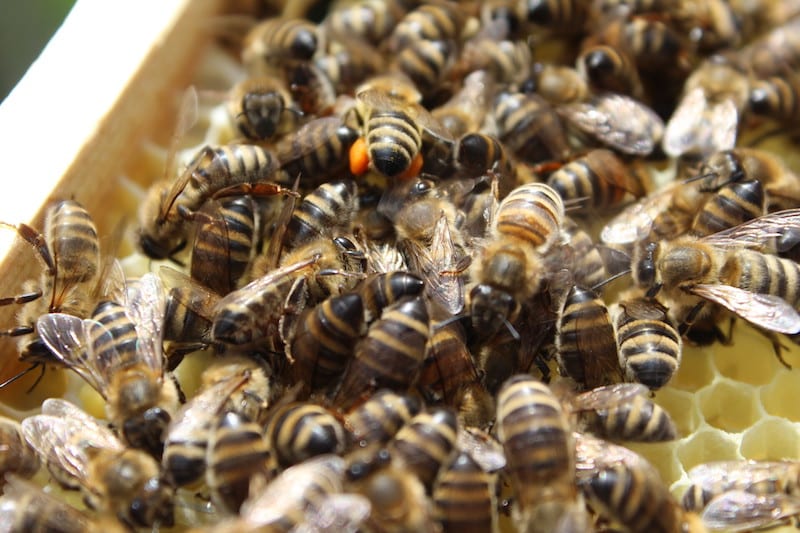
14	378
652	291
609	279
446	322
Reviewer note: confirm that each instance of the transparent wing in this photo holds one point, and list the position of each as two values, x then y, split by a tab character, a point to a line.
264	282
635	221
743	511
739	474
763	310
443	276
67	338
700	127
593	455
607	396
755	233
145	306
618	121
337	512
484	449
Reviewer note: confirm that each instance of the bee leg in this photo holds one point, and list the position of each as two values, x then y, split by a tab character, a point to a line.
777	346
178	389
544	368
38	379
687	323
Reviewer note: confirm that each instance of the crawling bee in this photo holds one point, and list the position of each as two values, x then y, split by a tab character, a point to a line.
121	481
118	352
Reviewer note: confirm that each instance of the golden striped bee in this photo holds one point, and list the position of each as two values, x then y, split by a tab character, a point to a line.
540	450
726	268
276	41
118	352
262	108
297	431
381	416
117	480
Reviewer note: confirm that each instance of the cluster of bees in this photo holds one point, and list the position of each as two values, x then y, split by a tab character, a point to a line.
398	269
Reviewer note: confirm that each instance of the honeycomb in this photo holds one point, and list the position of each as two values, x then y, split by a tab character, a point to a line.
729	402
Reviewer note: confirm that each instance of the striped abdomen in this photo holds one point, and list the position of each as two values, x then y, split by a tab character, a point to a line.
732	205
649	344
381	416
585	340
298	431
532	214
390	355
393	140
426	443
73	242
464	497
328	207
537	439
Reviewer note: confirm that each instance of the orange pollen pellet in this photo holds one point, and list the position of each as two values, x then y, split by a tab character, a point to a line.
359	157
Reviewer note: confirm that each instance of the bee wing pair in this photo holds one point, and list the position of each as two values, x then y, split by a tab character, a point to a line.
68	336
65	435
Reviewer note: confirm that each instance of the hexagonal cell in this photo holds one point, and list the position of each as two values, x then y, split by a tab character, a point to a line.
729	405
696	370
662	456
681	407
749	358
779	398
707	444
771	439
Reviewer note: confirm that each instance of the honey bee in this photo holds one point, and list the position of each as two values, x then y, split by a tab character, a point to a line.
464	496
316	152
779	182
237	453
776	97
380	290
617	121
540	450
599	177
224	243
372	20
321	345
116	480
478	154
465	111
379	418
118	352
349	61
561	17
529	127
393	128
308	494
624	488
429	239
163	214
494	56
609	68
558	84
706	119
262	108
26	507
510	270
650	347
775	53
586	344
451	376
397	497
297	431
621	412
426	443
437	21
728	269
276	41
16	455
426	63
251	314
389	356
73	279
762	478
327	208
186	438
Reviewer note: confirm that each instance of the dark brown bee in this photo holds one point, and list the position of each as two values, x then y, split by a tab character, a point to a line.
262	108
164	212
479	154
224	243
776	97
323	342
529	127
612	69
276	41
650	347
379	418
316	152
237	453
381	290
563	17
390	355
372	20
465	496
297	431
426	444
734	204
540	450
599	180
585	341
